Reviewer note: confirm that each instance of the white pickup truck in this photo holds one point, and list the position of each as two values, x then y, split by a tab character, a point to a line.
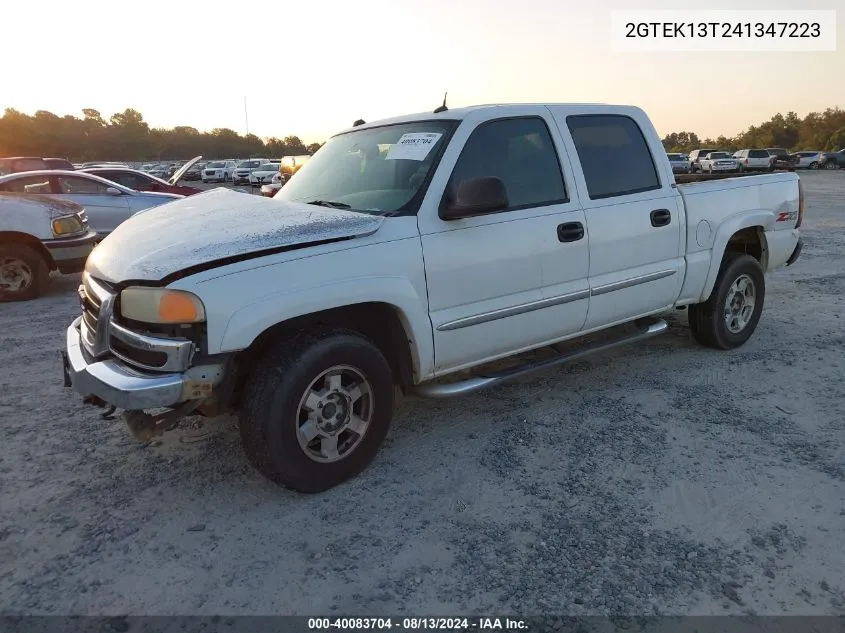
415	252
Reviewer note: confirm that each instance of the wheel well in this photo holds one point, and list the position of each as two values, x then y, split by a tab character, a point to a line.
379	322
14	237
750	241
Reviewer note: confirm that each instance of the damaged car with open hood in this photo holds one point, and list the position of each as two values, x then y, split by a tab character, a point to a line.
440	253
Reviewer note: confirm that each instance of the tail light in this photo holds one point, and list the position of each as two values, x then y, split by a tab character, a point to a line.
800	204
746	162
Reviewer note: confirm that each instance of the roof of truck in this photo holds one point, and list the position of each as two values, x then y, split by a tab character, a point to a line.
462	113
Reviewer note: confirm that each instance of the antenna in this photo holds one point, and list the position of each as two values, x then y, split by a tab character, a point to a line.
358	122
246	118
442	108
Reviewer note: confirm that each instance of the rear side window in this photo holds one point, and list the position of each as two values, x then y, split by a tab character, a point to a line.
614	155
28	184
520	153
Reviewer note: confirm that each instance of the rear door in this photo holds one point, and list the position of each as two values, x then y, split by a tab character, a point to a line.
105	211
635	216
512	279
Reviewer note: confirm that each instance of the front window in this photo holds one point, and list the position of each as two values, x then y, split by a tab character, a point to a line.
216	165
28	184
376	170
249	164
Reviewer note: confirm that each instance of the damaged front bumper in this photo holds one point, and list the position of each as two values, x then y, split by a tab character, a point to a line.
119	384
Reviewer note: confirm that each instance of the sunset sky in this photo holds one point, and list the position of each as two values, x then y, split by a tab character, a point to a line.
182	63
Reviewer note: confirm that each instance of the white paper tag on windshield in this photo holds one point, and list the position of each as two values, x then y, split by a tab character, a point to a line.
413	146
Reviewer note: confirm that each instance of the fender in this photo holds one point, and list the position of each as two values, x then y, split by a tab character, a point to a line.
755	217
248	322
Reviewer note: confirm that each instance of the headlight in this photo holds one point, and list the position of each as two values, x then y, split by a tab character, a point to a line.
160	305
67	225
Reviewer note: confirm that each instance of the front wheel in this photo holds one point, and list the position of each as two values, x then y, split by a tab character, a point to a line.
831	165
316	409
23	273
730	316
813	165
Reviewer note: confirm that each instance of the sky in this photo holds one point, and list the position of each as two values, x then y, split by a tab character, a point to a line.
311	67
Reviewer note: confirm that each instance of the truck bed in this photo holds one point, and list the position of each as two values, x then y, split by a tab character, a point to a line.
683	179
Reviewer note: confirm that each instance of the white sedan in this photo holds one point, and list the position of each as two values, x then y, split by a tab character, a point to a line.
107	203
263	174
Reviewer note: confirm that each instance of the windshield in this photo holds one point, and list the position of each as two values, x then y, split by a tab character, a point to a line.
677	157
216	165
718	155
248	164
376	170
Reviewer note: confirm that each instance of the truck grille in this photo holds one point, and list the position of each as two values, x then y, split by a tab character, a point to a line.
97	308
102	336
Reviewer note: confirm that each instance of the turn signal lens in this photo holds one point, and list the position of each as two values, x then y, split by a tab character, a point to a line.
160	305
67	225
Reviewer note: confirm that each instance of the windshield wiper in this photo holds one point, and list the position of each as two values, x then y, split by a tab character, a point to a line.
329	204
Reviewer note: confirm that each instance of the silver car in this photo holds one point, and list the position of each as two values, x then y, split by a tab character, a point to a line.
106	203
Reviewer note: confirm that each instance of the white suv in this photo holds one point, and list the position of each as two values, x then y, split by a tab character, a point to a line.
754	160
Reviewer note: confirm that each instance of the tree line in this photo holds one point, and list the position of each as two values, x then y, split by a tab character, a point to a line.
126	136
816	131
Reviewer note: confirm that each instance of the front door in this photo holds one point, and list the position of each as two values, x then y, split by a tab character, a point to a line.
514	278
105	211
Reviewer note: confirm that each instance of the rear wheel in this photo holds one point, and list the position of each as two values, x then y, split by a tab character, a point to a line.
831	165
23	273
813	165
316	409
730	316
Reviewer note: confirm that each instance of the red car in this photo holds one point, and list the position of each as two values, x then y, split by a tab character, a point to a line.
141	181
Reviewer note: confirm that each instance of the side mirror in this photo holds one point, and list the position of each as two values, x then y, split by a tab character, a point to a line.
113	191
475	197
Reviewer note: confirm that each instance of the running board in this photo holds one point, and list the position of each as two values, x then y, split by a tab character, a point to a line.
449	390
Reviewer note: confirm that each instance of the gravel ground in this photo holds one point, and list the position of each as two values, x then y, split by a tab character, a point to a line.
663	478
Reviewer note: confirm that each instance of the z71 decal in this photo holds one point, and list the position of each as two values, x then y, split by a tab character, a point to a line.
787	215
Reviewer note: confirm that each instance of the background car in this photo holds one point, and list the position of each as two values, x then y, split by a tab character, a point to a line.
276	182
59	163
263	174
695	157
680	163
17	164
159	171
106	203
832	160
48	235
718	162
754	160
218	171
245	168
808	159
781	159
139	181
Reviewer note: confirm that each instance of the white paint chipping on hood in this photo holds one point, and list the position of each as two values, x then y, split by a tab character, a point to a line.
212	226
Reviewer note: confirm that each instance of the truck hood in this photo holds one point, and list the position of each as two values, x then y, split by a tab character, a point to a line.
215	228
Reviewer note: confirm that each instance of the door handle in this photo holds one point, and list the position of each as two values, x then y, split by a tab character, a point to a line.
570	231
660	217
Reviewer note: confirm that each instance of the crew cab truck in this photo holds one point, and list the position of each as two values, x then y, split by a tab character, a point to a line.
414	252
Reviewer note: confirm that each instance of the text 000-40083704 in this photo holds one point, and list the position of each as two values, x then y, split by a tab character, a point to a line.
723	31
417	623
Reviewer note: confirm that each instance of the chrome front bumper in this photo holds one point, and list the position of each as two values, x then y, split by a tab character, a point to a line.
122	386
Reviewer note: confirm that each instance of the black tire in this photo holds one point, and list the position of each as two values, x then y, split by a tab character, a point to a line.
813	165
32	262
707	320
269	417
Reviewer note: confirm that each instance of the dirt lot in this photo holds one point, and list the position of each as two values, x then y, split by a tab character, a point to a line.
662	478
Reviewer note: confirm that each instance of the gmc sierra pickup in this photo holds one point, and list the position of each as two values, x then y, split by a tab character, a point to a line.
415	252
